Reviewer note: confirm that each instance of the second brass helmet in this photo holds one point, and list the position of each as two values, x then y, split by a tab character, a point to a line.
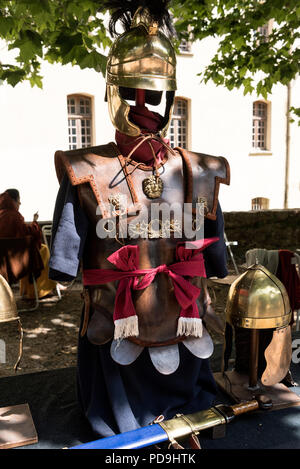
9	312
258	300
8	307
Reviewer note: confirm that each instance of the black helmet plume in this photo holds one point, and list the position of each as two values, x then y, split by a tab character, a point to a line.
123	11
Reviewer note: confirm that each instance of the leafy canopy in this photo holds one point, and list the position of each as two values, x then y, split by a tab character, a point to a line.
73	32
245	57
67	32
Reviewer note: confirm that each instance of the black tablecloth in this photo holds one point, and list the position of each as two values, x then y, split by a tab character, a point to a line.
51	396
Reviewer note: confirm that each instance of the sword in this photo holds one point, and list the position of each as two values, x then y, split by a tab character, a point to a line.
178	427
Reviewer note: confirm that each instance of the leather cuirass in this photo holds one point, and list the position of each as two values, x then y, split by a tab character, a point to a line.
104	178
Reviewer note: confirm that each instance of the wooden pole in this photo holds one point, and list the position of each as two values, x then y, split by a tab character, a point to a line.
253	364
287	149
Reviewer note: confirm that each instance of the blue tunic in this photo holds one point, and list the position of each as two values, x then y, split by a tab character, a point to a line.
117	398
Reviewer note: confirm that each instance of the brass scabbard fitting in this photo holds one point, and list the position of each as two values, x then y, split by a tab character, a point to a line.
185	425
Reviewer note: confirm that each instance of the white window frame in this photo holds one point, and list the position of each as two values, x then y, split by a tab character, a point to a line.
185	47
261	122
179	126
260	203
263	32
80	121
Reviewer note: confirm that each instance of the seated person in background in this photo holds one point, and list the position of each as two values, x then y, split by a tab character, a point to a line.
12	225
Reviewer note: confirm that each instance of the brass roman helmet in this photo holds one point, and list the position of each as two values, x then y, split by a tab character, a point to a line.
8	311
8	307
258	300
140	58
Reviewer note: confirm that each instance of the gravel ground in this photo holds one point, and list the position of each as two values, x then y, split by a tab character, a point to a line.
49	334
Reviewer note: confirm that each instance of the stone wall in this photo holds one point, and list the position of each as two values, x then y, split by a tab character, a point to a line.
269	229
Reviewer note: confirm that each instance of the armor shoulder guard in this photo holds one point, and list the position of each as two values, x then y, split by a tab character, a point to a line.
84	165
208	173
80	163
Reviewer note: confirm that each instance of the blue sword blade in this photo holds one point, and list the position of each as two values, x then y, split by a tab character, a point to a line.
134	439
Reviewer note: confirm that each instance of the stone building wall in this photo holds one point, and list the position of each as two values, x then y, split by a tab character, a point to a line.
268	229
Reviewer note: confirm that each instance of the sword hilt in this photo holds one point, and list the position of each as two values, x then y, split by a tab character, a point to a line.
244	407
261	402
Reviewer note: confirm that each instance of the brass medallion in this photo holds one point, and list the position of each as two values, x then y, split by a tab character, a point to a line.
153	187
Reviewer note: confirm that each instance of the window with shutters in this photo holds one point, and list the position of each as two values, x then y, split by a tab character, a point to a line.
80	121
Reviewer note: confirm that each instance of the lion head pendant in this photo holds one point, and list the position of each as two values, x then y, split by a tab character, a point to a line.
153	187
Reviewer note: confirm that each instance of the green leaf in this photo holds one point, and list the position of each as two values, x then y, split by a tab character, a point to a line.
243	71
27	51
239	42
13	77
75	55
94	60
36	80
6	26
248	88
29	44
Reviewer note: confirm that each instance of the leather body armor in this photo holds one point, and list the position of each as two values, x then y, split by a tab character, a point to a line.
102	175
